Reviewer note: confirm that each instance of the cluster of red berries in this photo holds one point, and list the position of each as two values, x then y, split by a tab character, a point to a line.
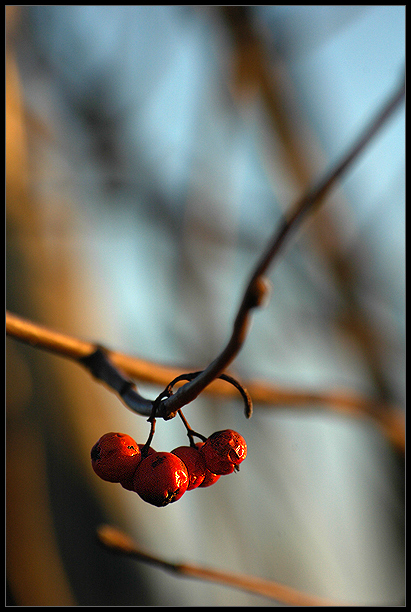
160	478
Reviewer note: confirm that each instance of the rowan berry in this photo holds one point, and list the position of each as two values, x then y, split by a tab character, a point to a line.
129	482
223	451
194	463
161	478
115	456
209	477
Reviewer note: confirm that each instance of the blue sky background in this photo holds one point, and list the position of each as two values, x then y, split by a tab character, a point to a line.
154	196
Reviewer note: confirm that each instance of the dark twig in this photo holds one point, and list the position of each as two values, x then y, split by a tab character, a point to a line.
248	404
256	288
99	361
100	366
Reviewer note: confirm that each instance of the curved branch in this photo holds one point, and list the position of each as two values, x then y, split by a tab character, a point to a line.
248	404
390	419
253	296
256	288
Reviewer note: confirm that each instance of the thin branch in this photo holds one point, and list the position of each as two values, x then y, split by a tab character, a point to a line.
43	337
248	404
256	288
117	541
91	356
253	297
100	366
259	72
389	418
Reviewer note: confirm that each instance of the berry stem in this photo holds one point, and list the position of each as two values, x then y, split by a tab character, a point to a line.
152	421
190	432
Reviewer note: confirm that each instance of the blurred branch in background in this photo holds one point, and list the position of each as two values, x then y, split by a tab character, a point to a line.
259	73
388	418
256	289
137	196
117	541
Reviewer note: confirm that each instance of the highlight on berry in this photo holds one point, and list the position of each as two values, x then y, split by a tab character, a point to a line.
161	478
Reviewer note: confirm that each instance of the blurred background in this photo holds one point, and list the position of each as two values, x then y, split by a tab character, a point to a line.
151	152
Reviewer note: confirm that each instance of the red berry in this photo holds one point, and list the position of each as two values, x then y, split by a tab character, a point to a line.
194	463
209	477
161	478
223	451
115	457
129	483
